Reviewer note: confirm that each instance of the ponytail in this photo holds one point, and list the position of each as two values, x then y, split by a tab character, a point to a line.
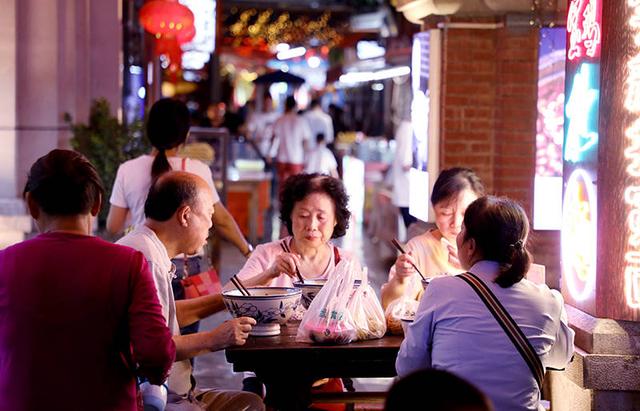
167	128
500	228
160	165
513	272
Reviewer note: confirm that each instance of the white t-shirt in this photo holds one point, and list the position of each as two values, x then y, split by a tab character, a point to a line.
147	242
290	131
321	160
319	122
133	181
260	128
454	331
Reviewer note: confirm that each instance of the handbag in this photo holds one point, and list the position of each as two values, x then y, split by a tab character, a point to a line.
508	324
201	284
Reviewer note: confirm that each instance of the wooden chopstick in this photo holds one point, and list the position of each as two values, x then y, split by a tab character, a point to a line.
243	290
397	245
287	250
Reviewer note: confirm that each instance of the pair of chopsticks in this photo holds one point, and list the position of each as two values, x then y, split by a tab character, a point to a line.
286	249
397	245
243	290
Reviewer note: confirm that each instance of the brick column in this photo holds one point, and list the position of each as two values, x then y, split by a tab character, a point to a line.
488	117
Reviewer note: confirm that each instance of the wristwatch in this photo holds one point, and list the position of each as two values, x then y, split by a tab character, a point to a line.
249	250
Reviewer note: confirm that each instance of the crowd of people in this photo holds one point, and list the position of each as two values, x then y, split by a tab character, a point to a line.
84	321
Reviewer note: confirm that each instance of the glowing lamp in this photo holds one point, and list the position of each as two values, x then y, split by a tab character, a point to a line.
579	235
167	18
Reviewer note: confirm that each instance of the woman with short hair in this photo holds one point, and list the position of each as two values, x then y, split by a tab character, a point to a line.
454	330
79	317
314	210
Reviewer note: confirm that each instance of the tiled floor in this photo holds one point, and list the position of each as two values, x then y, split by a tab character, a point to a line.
212	370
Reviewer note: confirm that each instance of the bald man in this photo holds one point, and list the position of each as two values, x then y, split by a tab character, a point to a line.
178	213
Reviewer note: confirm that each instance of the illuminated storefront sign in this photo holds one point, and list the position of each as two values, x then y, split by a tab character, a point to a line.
198	51
580	150
547	195
582	113
579	234
632	155
583	26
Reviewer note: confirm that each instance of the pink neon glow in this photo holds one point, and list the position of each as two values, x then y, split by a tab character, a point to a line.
584	23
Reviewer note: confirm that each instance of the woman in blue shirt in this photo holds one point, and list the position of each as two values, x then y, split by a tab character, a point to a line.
454	331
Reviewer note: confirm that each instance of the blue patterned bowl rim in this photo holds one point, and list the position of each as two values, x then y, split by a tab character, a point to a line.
284	292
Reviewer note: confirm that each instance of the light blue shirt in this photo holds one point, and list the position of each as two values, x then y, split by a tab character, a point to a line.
454	331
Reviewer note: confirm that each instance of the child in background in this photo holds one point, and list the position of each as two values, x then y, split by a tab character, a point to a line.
321	159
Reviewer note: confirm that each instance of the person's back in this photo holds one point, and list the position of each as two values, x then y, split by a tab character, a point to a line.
260	129
488	358
321	159
455	330
319	121
133	181
64	323
291	130
292	134
75	311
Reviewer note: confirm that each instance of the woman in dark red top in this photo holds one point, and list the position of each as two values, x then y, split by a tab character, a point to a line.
79	317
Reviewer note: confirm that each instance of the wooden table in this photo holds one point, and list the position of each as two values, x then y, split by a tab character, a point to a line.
288	368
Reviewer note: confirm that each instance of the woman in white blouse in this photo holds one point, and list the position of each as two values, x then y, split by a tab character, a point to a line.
454	331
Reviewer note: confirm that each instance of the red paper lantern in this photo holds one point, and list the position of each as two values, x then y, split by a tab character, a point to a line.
186	35
172	25
167	18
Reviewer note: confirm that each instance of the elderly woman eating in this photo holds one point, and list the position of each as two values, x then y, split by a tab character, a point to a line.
313	207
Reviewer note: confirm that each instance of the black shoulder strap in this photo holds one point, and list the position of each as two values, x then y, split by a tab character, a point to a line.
509	326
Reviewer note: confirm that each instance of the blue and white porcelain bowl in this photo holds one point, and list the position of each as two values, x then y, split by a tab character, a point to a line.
269	306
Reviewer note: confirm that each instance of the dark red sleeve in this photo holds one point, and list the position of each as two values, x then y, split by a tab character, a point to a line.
151	340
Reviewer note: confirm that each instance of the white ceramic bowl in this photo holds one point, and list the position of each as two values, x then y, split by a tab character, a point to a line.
311	288
269	306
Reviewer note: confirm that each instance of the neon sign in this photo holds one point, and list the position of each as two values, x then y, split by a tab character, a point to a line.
584	28
579	234
632	155
582	113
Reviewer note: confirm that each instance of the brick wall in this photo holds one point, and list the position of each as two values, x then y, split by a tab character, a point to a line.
488	117
469	101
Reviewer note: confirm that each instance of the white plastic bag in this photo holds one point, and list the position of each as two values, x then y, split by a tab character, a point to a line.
327	320
404	307
366	311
